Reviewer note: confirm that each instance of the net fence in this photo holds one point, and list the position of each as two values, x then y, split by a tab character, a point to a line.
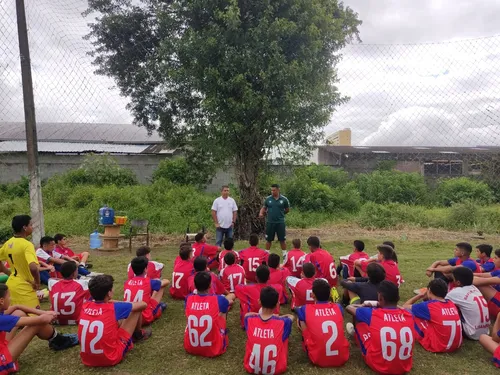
429	108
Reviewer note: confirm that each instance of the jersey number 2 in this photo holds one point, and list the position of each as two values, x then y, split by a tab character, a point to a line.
195	338
96	327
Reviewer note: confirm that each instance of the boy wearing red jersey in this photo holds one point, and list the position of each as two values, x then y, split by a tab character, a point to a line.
206	313
322	326
228	248
483	255
278	275
443	268
67	253
301	289
200	265
233	274
14	317
202	249
106	328
141	288
252	257
294	259
68	295
266	349
154	268
385	334
322	260
437	322
347	262
385	258
492	343
249	294
183	268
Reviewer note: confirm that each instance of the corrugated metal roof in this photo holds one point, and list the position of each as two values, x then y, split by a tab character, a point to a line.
410	149
72	147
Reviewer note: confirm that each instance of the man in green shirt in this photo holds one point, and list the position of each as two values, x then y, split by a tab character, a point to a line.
276	206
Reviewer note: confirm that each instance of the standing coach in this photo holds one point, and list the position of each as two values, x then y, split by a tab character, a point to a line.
224	213
276	206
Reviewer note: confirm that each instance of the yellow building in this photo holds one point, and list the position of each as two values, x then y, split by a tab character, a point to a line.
340	138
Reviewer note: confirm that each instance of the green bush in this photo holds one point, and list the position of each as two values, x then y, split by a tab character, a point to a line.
180	171
18	189
323	174
463	189
393	215
462	216
5	234
392	187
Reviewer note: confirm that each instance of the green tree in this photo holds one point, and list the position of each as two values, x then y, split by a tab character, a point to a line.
228	80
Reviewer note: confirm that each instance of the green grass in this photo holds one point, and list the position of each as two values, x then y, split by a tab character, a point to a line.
163	353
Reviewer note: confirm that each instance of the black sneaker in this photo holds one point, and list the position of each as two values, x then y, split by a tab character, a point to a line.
142	335
61	342
88	266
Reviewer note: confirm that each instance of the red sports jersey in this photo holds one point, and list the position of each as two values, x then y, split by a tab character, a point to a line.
391	268
324	337
470	262
232	276
64	251
208	251
153	271
223	253
249	296
7	364
205	332
216	287
179	288
252	258
102	341
325	265
293	262
67	298
140	289
386	339
301	290
438	326
278	276
266	350
349	260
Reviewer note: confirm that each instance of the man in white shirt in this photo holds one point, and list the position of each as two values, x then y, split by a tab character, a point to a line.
471	303
224	213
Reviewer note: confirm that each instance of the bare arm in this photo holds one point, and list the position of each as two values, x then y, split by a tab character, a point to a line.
351	309
57	261
36	275
4	269
165	283
139	306
214	218
235	216
36	320
262	211
482	281
412	300
287	210
483	275
27	310
443	269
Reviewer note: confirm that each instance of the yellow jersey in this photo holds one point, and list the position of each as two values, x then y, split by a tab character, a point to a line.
20	253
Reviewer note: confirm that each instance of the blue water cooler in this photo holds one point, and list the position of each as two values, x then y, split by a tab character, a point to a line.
106	216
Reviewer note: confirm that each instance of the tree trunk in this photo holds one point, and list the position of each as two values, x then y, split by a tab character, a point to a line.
247	171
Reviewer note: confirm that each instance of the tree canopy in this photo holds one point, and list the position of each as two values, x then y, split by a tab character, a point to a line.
229	81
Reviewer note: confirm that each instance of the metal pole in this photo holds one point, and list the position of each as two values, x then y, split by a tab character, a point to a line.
29	116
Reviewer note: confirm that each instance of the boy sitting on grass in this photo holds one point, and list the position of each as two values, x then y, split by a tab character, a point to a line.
106	328
154	268
68	254
301	289
346	267
46	258
228	248
202	249
143	288
266	350
201	265
232	274
357	290
492	343
386	258
252	257
68	295
206	314
278	275
322	326
183	268
294	259
14	317
443	268
483	253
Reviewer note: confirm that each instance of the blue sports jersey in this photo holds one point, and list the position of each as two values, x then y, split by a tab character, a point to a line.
7	322
469	263
155	285
122	310
487	266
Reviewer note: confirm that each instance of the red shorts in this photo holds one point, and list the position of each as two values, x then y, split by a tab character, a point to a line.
494	306
496	357
125	343
152	312
80	256
7	365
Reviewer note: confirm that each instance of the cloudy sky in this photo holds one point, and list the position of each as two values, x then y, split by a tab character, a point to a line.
426	74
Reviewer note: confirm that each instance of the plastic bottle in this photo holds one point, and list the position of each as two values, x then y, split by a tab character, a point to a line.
95	240
101	214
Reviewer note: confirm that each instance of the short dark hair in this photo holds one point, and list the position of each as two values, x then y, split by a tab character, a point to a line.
359	245
297	243
313	242
277	186
254	239
19	222
464	246
224	187
389	243
68	269
485	249
321	290
269	297
200	264
262	273
464	275
100	286
139	265
202	281
386	251
273	261
4	288
438	287
143	251
389	292
497	252
228	244
58	237
185	251
375	272
46	240
229	258
309	270
199	236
